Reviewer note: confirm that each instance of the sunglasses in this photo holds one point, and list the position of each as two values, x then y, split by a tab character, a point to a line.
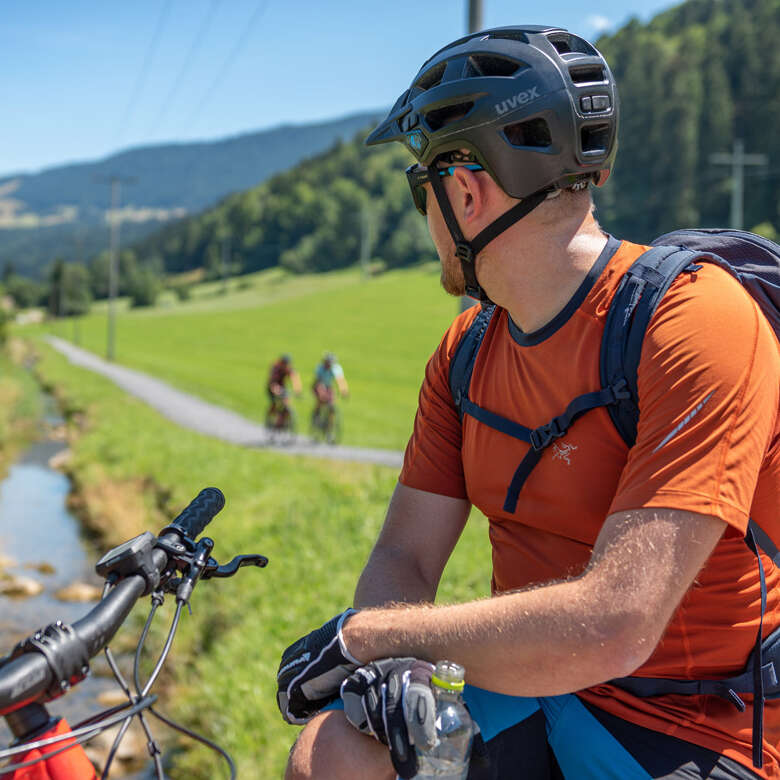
417	176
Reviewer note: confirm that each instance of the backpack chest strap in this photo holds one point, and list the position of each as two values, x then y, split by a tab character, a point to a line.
540	438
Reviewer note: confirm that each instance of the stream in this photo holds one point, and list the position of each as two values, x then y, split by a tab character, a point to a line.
41	543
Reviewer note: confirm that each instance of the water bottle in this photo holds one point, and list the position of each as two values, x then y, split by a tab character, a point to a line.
448	759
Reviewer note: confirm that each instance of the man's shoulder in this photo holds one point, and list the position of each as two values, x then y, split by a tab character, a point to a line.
458	329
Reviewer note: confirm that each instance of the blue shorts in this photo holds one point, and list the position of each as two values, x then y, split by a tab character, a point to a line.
561	737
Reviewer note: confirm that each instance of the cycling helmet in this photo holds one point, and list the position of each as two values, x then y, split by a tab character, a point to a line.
287	358
329	357
536	107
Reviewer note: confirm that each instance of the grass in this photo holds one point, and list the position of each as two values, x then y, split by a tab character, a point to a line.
316	520
20	408
219	346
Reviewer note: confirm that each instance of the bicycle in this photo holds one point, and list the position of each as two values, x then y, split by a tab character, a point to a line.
281	418
326	423
51	661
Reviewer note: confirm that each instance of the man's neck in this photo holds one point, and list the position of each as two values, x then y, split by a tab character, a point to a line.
534	268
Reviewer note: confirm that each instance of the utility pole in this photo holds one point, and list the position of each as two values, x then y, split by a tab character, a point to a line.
223	263
738	160
474	25
475	15
367	236
113	264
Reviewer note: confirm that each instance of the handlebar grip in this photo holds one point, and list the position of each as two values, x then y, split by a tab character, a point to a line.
199	512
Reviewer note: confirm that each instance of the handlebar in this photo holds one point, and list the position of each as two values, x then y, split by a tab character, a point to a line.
198	513
49	662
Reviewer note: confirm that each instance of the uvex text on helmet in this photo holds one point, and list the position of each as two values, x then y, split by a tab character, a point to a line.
536	107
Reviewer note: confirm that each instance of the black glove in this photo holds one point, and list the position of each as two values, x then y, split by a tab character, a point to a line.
392	700
312	669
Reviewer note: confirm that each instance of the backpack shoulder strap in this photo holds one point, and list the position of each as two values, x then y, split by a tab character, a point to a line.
462	364
637	297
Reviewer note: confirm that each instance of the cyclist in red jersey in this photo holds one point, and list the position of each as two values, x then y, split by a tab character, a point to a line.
280	374
615	561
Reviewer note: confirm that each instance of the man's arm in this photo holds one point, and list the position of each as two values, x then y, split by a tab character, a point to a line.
418	536
295	381
343	386
563	636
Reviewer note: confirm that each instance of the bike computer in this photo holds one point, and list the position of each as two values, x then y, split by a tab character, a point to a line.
131	557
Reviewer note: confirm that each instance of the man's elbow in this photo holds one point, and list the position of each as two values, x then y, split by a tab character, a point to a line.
624	642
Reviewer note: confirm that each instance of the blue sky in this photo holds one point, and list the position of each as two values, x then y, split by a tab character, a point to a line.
82	79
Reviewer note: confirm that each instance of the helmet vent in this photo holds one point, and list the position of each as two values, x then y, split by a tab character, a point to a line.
595	139
488	65
430	78
566	43
534	132
440	117
509	35
587	74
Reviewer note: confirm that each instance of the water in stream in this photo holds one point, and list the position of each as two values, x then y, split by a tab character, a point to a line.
42	541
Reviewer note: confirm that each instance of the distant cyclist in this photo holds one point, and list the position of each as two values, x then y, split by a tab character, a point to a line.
327	374
281	373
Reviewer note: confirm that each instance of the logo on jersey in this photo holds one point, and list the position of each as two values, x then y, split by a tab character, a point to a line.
563	452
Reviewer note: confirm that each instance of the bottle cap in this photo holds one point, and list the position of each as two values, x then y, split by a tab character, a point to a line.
449	676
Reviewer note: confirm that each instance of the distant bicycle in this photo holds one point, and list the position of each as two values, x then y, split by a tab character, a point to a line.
280	419
326	417
326	423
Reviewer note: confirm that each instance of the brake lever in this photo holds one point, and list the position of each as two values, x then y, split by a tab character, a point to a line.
213	569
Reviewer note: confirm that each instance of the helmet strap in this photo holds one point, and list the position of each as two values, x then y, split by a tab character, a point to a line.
467	251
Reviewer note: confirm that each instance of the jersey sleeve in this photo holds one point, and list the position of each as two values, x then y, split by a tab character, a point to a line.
432	460
709	389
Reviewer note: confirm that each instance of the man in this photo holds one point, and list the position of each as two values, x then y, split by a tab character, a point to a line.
607	561
281	372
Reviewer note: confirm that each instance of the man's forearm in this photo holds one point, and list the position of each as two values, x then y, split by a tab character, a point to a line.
542	642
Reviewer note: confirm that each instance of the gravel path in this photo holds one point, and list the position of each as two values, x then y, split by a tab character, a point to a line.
191	412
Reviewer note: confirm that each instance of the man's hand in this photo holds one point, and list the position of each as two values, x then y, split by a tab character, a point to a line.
312	670
392	700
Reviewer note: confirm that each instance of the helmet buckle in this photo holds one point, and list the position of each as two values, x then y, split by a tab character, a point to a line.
464	252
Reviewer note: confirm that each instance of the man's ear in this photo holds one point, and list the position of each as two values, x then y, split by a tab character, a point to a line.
470	196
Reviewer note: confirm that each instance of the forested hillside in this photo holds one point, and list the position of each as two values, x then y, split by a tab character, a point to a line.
328	212
62	212
691	81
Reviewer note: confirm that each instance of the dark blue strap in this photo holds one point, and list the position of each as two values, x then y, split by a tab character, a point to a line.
462	364
764	542
758	678
532	457
496	421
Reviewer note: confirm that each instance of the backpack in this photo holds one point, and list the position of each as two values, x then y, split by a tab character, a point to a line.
755	262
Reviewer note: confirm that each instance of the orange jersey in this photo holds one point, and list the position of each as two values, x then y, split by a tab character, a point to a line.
708	441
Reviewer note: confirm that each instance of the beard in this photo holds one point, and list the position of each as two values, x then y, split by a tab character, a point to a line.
452	277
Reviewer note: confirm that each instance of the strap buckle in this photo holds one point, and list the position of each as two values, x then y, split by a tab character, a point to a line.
464	252
620	391
545	434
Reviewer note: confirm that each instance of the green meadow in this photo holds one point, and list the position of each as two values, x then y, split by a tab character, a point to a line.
219	345
316	520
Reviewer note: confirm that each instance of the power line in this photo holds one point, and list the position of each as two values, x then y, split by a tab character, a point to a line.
248	28
144	72
194	47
